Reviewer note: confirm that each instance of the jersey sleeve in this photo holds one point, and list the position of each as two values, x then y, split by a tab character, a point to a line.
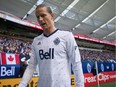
29	70
75	59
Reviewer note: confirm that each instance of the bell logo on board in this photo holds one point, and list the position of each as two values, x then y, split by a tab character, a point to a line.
112	67
7	71
88	67
102	67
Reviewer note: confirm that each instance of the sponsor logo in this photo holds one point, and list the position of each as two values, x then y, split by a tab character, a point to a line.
33	82
7	72
102	67
39	43
112	67
88	67
15	83
103	77
46	55
90	79
107	67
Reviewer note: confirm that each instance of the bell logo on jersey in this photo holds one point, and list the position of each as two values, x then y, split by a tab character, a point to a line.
46	55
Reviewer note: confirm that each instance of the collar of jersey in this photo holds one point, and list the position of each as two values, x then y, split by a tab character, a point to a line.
51	33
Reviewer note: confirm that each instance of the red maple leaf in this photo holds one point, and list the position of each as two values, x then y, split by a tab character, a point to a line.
10	58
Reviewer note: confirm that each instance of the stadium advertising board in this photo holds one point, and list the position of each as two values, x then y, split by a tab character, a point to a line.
9	71
104	77
89	80
15	82
9	65
10	68
89	67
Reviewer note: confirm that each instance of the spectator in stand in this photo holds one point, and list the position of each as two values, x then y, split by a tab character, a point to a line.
101	56
24	60
9	45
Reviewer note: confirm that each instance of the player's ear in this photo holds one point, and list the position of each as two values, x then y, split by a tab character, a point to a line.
53	15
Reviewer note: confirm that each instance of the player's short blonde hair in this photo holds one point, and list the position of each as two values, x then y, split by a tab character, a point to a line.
44	5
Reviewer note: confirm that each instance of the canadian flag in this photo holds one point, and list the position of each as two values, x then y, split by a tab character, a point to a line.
9	58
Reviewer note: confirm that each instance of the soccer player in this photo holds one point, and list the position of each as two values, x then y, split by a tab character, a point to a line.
54	51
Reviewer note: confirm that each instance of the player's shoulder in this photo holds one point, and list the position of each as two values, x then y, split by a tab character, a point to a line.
64	33
38	37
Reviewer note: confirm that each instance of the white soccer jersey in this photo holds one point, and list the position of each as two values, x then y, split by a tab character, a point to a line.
53	54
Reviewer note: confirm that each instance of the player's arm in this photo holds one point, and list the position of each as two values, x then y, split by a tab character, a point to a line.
74	57
29	70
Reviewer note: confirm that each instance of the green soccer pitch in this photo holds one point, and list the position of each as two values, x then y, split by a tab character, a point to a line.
110	84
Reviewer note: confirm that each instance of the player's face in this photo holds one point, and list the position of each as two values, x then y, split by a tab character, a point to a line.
44	18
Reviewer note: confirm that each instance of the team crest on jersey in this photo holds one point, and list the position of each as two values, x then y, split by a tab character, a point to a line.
57	41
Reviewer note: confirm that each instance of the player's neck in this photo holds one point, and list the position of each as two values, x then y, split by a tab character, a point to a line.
47	32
